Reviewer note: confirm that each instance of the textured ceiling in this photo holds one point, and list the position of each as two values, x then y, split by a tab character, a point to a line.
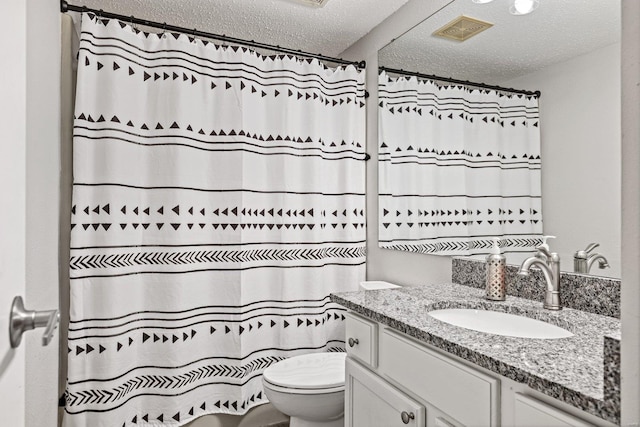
328	30
514	46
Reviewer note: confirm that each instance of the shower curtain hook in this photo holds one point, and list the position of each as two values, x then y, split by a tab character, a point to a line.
193	34
89	12
164	30
132	24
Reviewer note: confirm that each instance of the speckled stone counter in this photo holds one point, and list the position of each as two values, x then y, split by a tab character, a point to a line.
571	369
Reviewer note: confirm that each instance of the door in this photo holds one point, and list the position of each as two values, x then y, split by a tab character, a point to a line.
372	402
12	204
531	412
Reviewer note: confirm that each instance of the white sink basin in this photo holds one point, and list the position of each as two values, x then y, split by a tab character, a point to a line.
494	322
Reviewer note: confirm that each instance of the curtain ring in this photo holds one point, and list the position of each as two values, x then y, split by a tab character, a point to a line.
133	26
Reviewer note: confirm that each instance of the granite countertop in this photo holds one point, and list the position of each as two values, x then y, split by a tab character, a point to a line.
571	369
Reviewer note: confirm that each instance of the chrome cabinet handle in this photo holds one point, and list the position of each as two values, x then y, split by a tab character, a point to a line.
22	320
353	342
407	416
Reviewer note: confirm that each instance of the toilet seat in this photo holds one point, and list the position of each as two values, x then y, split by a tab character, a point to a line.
302	391
309	373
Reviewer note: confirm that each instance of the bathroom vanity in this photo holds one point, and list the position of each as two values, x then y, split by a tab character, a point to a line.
405	367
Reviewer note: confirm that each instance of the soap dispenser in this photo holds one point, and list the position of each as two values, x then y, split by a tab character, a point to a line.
496	289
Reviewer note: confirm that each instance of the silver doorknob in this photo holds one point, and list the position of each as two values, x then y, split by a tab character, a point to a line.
353	342
407	416
22	320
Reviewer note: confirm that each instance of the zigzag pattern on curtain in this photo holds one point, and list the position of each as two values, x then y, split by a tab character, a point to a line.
218	199
457	166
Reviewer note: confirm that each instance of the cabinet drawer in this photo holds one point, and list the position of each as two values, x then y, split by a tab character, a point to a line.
372	402
532	413
362	339
464	394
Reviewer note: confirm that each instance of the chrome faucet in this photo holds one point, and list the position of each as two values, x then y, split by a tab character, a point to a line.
582	261
549	263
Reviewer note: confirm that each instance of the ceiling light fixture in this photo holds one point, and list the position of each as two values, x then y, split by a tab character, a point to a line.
522	7
519	7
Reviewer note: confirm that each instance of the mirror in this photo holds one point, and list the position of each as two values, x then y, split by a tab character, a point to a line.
570	51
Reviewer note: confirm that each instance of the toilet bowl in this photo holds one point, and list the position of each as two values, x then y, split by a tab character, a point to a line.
309	388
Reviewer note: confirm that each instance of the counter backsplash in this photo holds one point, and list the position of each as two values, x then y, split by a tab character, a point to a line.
599	295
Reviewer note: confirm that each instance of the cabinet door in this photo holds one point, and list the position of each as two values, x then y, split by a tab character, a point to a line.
371	402
533	413
362	339
463	393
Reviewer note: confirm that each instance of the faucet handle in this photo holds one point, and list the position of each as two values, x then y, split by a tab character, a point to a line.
544	249
591	247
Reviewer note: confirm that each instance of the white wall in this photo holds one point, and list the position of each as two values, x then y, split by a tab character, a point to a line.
42	204
630	298
29	173
13	41
580	145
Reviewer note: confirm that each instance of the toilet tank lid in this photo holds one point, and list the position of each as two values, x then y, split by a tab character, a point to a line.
308	371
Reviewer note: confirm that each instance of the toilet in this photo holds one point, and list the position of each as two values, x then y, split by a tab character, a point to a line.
309	388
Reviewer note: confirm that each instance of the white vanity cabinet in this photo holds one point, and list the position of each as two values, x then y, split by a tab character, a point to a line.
395	380
392	380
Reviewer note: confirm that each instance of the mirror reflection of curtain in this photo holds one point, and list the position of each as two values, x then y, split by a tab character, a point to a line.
457	166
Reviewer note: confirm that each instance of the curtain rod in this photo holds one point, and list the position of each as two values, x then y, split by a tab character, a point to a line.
66	7
463	82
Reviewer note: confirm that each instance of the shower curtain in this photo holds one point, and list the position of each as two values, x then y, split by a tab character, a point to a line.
218	199
457	166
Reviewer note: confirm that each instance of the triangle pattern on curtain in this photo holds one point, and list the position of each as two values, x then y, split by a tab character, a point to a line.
218	199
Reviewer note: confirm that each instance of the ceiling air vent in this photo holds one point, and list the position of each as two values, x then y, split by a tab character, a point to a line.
314	3
462	28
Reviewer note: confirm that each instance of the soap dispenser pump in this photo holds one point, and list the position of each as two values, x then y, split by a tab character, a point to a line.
496	287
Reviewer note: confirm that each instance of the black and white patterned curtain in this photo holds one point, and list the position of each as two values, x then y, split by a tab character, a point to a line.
218	199
457	166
